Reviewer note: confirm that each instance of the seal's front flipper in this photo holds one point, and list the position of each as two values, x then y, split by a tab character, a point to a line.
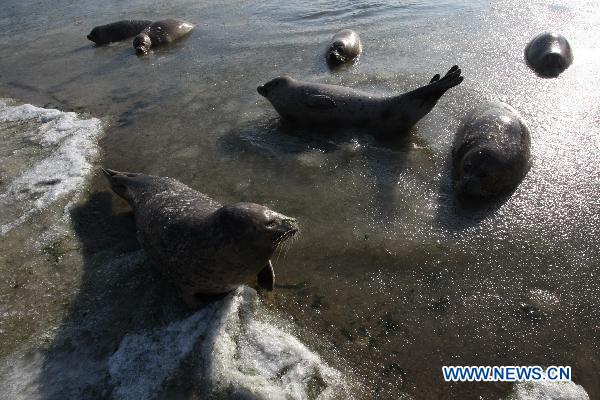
266	277
319	101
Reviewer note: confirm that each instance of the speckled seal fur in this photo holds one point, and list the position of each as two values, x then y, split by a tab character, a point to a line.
198	244
160	33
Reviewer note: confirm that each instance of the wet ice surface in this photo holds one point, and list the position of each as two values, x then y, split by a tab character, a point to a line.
387	271
240	357
548	391
230	346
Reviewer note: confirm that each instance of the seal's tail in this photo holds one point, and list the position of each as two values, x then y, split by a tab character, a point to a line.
119	181
109	173
438	86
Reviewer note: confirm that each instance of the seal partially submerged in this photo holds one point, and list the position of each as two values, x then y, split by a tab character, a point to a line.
491	151
549	54
199	245
321	104
120	30
160	33
345	47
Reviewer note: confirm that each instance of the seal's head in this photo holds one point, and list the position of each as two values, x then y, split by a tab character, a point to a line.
337	53
549	54
481	174
254	228
552	64
142	43
96	36
274	86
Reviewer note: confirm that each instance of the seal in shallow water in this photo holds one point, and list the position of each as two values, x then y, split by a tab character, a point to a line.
160	33
321	104
549	54
491	151
199	245
345	47
120	30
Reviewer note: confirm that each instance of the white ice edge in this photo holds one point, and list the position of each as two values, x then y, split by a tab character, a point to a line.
241	356
69	164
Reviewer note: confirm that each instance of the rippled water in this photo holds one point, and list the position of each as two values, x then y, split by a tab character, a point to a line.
388	280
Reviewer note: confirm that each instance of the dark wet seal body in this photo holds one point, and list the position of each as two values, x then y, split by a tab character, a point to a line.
199	245
491	152
160	33
345	47
120	30
549	54
339	106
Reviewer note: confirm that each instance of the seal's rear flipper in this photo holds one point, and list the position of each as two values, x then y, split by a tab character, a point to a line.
119	181
111	172
437	87
266	277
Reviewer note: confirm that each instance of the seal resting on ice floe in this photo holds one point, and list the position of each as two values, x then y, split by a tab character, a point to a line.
195	242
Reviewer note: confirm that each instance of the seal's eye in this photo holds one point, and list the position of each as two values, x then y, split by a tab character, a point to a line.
271	223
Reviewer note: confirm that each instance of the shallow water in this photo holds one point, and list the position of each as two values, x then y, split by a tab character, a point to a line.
388	280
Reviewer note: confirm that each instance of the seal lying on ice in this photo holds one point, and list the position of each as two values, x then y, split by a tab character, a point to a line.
199	245
337	106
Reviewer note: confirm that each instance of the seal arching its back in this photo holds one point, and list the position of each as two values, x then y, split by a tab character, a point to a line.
338	106
199	245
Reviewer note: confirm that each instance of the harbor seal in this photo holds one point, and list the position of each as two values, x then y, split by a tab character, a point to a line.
491	151
120	30
338	106
160	33
549	54
345	47
195	242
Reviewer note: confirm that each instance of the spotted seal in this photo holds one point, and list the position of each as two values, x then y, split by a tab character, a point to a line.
160	33
345	47
338	106
116	31
491	151
549	54
195	242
